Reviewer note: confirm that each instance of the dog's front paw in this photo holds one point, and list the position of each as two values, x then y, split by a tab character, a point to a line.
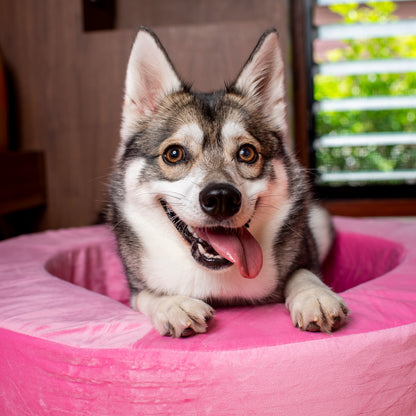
181	316
317	309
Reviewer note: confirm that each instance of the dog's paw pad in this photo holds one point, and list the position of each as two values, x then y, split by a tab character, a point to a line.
318	309
180	316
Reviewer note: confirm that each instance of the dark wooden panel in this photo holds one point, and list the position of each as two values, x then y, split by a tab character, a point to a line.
4	111
156	13
372	207
98	14
69	85
210	54
301	105
68	91
22	181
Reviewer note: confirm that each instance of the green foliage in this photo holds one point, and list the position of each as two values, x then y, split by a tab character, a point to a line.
359	122
377	12
353	122
373	158
332	87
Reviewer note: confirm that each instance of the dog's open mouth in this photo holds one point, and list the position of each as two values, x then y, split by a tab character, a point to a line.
218	247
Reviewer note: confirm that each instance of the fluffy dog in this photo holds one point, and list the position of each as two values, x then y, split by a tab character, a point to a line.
208	204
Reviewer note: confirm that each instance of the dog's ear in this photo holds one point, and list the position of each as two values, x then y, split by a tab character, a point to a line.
150	77
262	80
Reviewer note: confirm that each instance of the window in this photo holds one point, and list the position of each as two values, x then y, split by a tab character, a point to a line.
355	102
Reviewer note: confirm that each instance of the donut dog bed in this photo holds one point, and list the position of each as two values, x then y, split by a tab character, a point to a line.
70	345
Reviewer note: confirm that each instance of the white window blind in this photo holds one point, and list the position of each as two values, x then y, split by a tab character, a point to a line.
365	92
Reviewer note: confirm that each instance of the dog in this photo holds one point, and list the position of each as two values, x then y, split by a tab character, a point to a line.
207	202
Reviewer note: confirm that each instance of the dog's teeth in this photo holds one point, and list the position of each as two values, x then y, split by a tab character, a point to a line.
192	231
206	254
201	249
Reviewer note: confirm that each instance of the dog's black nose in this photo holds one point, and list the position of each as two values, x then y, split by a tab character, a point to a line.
220	200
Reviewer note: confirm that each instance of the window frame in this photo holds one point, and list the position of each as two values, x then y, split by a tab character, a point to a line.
368	200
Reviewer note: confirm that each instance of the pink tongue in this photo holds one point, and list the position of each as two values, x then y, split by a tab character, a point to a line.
239	247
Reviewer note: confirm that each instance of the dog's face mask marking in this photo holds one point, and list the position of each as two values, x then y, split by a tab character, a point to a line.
209	168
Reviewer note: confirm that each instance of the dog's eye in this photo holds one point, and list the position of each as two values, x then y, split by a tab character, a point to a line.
247	154
174	154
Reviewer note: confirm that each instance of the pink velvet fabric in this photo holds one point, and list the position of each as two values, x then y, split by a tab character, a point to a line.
70	345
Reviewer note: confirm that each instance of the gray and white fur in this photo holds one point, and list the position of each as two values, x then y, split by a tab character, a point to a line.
207	202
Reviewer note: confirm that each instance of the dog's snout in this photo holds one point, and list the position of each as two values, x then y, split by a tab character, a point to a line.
220	200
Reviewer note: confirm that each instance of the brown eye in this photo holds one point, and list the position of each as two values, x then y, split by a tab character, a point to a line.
247	154
174	154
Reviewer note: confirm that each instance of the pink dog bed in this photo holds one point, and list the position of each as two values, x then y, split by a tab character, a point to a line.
71	346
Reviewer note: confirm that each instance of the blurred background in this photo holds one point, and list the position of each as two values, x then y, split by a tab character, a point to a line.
351	92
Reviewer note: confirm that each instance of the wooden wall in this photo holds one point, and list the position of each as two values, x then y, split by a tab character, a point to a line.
67	83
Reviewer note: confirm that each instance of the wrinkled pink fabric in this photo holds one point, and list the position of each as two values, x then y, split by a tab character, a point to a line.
70	345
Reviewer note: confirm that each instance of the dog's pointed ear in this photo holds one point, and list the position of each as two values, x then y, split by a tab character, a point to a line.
150	77
262	80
